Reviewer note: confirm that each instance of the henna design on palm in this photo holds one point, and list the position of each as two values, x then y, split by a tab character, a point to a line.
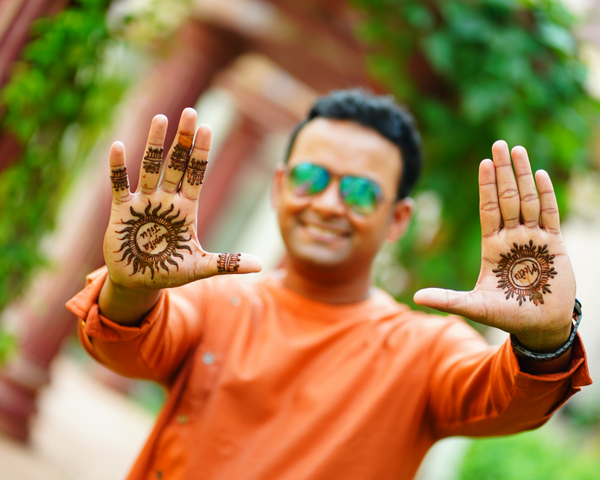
524	272
152	239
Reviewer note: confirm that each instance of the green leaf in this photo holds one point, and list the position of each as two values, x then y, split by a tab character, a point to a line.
419	16
439	49
558	38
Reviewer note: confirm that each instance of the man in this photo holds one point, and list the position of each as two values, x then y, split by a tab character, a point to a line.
313	373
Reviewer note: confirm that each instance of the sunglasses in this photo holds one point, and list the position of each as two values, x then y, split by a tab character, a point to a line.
360	194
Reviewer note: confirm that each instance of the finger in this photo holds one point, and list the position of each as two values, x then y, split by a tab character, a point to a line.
152	162
549	207
508	192
530	202
180	151
194	174
227	264
449	301
489	208
118	173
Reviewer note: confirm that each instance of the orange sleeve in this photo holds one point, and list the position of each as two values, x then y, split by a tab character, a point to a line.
478	390
154	350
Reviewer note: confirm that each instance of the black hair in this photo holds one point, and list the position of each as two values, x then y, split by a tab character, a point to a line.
382	114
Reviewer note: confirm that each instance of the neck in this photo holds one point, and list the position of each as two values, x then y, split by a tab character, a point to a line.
326	285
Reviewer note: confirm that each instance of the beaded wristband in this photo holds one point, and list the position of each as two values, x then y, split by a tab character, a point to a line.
546	357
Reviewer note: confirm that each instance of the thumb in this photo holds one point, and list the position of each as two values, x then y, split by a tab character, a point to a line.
230	263
449	301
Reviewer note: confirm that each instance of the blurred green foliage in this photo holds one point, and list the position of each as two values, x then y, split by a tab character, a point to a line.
56	103
473	72
541	455
8	346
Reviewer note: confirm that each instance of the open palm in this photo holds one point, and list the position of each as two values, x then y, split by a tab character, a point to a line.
151	239
526	284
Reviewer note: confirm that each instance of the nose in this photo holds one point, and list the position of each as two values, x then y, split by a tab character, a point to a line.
329	202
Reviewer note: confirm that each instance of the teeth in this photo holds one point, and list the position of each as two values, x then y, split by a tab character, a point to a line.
326	232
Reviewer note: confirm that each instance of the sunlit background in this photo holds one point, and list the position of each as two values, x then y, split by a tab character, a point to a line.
77	75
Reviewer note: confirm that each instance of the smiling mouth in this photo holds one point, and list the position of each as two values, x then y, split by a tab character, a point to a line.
323	232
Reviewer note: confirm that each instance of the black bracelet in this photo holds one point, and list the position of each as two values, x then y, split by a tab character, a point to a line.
546	357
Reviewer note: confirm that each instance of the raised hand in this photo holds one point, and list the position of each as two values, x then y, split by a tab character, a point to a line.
151	239
526	284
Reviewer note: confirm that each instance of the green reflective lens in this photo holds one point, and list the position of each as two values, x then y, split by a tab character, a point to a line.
308	179
360	194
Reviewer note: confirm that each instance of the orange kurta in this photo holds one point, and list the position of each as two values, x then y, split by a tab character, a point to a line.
265	384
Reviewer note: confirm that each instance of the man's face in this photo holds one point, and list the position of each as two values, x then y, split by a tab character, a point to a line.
320	230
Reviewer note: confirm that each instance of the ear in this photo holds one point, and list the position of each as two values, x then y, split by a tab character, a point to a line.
277	186
400	219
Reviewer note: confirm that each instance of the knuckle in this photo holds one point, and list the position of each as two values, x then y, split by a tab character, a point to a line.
511	222
490	234
550	211
187	196
525	173
121	200
530	197
509	194
489	206
532	223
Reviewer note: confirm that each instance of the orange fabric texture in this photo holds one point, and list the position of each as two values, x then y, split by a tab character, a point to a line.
266	384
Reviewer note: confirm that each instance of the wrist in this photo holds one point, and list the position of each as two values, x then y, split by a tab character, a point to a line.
545	341
129	290
126	305
549	356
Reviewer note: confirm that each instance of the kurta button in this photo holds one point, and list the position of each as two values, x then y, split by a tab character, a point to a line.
208	358
235	301
182	419
82	323
158	474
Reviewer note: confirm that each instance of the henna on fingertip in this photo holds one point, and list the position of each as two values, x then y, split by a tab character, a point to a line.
153	160
181	153
179	158
195	171
228	262
119	179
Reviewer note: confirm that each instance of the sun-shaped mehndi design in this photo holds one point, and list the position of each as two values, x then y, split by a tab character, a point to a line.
152	239
524	272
